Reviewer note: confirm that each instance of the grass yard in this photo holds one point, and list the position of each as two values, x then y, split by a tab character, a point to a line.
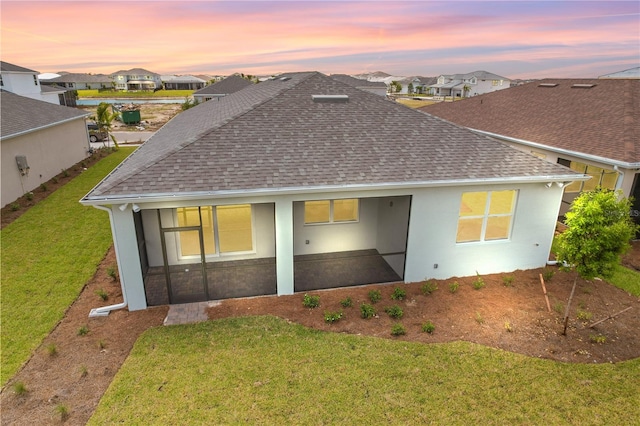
94	93
48	254
414	103
263	370
626	279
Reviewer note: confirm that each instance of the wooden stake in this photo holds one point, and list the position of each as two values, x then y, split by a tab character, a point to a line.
544	291
610	316
566	312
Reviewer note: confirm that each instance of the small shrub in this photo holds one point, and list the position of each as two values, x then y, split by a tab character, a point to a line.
19	388
597	338
43	187
394	311
398	294
102	344
332	317
478	283
398	330
83	165
428	327
507	326
429	287
102	294
584	315
111	271
558	307
15	207
63	411
375	296
547	274
65	172
310	301
52	349
29	196
83	371
83	331
479	318
453	287
367	311
507	280
54	179
346	303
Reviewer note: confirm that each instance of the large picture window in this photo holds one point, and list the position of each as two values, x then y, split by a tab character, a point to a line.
225	229
485	215
331	211
604	178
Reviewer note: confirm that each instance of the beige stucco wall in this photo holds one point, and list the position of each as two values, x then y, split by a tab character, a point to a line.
48	151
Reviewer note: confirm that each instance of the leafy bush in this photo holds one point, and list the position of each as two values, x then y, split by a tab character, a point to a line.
597	338
346	303
375	296
478	283
398	329
29	196
332	317
584	315
43	187
429	287
52	349
398	294
111	271
453	287
428	327
15	207
83	330
102	294
367	311
507	280
63	411
394	311
547	274
19	388
310	301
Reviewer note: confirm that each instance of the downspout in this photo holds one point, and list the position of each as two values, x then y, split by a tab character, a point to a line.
104	310
620	177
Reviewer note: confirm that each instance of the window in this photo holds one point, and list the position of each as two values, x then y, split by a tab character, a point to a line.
599	177
331	211
35	79
1	82
225	229
485	216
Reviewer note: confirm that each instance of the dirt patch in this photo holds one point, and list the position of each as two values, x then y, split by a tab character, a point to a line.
152	116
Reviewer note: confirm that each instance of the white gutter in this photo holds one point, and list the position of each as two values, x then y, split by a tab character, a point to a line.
165	196
104	310
595	158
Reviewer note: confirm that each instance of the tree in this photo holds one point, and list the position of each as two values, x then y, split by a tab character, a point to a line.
104	119
410	88
466	89
599	228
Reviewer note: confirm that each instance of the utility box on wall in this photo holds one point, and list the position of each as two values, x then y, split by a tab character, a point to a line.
23	166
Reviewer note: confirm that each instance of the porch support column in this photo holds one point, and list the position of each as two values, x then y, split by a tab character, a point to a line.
284	247
128	257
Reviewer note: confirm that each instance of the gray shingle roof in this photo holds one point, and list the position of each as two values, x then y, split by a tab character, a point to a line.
603	120
6	66
358	82
231	84
273	136
80	78
21	115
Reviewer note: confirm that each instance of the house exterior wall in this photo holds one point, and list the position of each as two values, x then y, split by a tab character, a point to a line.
48	151
487	86
27	85
433	226
391	235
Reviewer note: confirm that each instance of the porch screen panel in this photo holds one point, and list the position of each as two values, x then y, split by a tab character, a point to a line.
234	228
345	210
189	240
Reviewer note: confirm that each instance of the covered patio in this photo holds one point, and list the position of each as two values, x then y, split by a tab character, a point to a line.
257	277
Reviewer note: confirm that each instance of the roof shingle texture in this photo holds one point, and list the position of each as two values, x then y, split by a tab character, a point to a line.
20	114
231	84
603	120
273	136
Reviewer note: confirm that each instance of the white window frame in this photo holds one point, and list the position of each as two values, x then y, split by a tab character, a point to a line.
331	221
485	217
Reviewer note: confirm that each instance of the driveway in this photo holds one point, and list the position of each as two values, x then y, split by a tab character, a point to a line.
125	138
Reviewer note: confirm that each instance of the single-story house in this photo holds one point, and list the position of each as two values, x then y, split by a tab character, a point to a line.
80	81
590	125
221	88
303	182
375	87
38	140
183	82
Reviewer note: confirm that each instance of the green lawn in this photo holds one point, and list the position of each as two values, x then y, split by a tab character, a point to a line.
263	370
626	279
120	94
48	254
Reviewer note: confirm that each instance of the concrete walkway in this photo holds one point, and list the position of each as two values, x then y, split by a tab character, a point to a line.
188	313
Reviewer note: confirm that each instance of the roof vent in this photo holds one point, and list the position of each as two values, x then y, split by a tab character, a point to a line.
582	86
330	98
284	78
547	84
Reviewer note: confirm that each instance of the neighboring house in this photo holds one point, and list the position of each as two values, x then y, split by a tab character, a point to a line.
375	87
80	81
136	79
183	82
633	73
246	195
38	140
590	125
222	88
24	82
467	85
418	85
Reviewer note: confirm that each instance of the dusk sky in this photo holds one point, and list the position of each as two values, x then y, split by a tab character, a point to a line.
514	39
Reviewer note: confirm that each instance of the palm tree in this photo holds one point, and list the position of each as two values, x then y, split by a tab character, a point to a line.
465	90
104	119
